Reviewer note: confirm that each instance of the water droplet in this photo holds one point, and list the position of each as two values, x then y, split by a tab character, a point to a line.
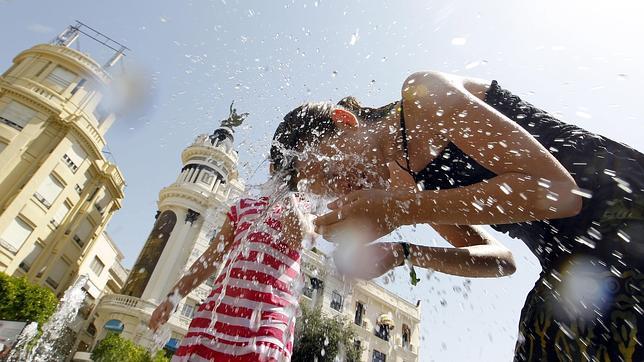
582	192
594	233
505	188
354	38
440	112
624	236
545	183
553	196
459	41
255	319
472	65
585	241
334	73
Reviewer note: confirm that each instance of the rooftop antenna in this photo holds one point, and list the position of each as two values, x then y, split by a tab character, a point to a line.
72	32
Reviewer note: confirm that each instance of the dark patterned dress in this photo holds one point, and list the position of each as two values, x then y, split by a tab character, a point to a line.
588	301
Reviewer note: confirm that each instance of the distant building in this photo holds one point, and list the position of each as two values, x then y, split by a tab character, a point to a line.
387	327
57	189
190	211
106	276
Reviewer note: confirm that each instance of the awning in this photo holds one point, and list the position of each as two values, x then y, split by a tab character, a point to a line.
114	325
386	320
172	345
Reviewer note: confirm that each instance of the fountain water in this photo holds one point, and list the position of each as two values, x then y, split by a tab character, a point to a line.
19	352
45	349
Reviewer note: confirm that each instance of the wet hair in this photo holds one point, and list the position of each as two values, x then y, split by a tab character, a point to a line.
307	125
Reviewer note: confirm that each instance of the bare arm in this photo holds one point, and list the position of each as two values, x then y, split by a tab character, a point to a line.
476	254
205	266
208	263
531	184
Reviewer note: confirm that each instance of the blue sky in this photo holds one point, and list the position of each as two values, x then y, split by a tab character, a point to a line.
578	59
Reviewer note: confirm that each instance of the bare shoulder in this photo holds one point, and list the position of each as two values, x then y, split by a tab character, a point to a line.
441	85
428	79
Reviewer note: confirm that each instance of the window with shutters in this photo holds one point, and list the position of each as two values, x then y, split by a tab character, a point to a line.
406	336
97	266
17	115
379	356
80	186
48	191
45	65
188	310
357	318
60	214
60	79
100	112
57	273
15	234
75	156
336	301
78	86
103	201
28	261
83	232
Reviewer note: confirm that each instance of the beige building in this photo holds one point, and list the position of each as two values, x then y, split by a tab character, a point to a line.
387	327
106	275
57	189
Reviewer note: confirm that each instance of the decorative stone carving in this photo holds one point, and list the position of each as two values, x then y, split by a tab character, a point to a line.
192	216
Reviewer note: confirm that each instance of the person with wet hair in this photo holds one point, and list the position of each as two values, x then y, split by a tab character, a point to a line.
458	152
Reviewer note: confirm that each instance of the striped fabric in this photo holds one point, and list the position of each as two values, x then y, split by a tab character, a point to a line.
253	298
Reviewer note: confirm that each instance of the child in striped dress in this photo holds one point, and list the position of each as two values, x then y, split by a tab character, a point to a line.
250	313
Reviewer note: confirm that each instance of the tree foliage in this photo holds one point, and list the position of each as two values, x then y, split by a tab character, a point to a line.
324	338
21	300
115	348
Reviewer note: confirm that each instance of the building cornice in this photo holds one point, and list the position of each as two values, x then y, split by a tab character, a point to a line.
69	56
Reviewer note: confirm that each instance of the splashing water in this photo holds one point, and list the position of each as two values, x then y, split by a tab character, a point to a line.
45	349
20	351
158	338
275	188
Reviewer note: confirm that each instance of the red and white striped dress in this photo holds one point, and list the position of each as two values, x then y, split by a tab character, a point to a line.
254	318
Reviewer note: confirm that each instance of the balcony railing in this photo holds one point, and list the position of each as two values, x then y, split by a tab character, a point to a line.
126	301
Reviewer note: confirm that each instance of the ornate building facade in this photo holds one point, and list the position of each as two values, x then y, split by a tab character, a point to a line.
387	327
57	189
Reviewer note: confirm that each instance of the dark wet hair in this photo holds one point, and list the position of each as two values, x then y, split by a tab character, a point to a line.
309	124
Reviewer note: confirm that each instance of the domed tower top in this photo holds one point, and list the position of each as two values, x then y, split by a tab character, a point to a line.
209	176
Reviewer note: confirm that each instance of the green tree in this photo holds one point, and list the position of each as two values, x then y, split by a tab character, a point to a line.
115	348
21	300
323	337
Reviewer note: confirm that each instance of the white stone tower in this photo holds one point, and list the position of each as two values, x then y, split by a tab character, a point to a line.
189	212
